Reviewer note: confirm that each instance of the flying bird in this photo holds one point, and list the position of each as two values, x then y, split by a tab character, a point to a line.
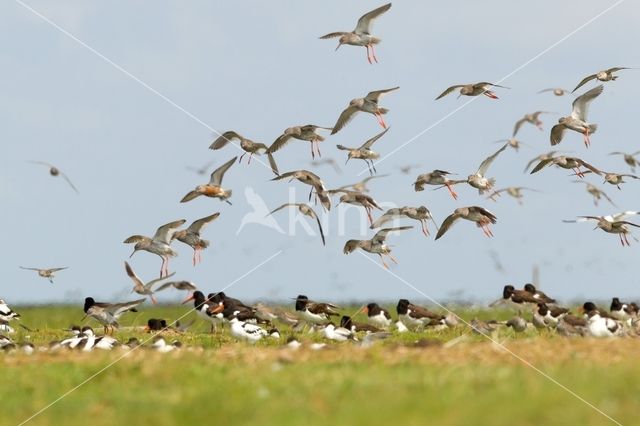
512	142
311	179
630	159
46	273
303	133
513	191
54	171
577	121
569	163
191	236
436	177
362	185
542	157
250	147
481	216
201	170
358	199
421	214
364	152
142	288
213	189
367	104
473	89
305	210
478	180
532	118
596	193
604	75
361	36
159	244
376	245
178	285
612	224
556	91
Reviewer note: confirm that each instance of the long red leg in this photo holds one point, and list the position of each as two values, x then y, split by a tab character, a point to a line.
382	260
250	155
451	191
425	230
313	155
318	148
392	258
490	94
368	57
384	125
373	52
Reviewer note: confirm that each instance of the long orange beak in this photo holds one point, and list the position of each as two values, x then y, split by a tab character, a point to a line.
188	299
218	308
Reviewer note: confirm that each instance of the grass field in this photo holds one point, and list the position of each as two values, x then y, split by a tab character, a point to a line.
470	383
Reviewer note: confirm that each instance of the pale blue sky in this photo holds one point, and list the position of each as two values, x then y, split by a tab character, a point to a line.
259	68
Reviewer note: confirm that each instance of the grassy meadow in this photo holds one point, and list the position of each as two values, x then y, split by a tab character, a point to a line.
219	381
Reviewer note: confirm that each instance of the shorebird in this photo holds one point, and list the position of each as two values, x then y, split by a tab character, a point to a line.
604	75
537	294
191	236
481	216
54	171
613	224
356	327
517	298
518	324
596	193
623	311
178	285
204	308
436	177
314	312
364	152
248	146
421	214
108	313
377	316
551	314
303	133
529	118
367	104
630	159
577	121
358	199
414	316
245	331
473	89
600	326
362	185
306	210
339	334
142	288
406	169
513	143
361	36
617	178
513	191
569	163
330	161
213	189
159	244
201	170
556	91
6	313
478	179
46	273
542	157
311	179
376	245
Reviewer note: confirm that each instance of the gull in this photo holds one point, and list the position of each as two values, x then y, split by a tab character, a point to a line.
364	152
362	185
542	157
330	161
191	236
367	104
201	170
604	75
54	171
436	177
613	224
108	313
629	159
142	288
513	191
247	145
556	91
361	36
303	133
159	244
376	245
358	199
46	273
311	179
472	89
478	179
569	163
213	189
306	210
577	121
421	214
481	216
529	118
596	193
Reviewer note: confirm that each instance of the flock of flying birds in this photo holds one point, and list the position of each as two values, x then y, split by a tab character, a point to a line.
239	314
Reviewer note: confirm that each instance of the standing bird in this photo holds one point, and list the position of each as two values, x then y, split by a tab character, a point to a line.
367	104
377	316
436	177
359	199
473	89
596	193
421	214
513	191
376	245
6	313
247	145
361	36
54	171
630	159
191	236
313	180
556	91
46	273
306	210
142	288
568	163
482	217
414	316
577	121
364	152
159	244
214	188
529	118
108	313
604	75
612	224
303	133
314	312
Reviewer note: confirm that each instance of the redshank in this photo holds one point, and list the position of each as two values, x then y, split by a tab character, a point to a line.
577	121
364	152
303	133
604	75
46	273
376	245
421	214
367	104
436	177
311	179
247	145
191	236
159	244
481	216
473	89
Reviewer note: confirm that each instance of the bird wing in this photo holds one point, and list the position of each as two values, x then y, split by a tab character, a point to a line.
136	280
448	223
622	215
588	166
218	174
333	35
551	89
557	132
616	153
581	103
224	139
190	196
386	217
614	69
517	126
345	117
154	281
319	226
286	175
282	207
381	235
119	308
164	232
343	148
65	177
375	95
604	194
30	269
135	239
484	166
449	90
365	22
198	225
371	141
582	219
280	142
584	81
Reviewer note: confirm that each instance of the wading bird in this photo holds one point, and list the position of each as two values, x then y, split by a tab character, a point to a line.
159	244
367	104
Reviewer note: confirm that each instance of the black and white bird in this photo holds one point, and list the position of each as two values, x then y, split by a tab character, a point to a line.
377	316
6	313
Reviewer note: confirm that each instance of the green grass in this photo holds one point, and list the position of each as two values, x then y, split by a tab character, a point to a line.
473	382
